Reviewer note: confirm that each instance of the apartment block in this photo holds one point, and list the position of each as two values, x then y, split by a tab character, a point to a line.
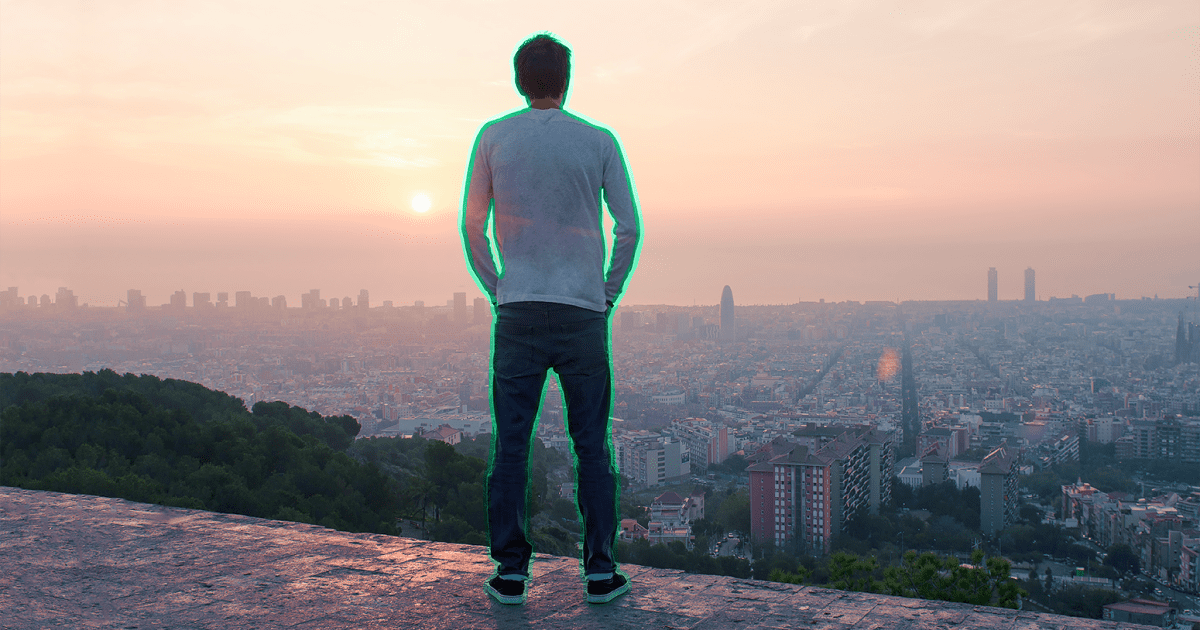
707	443
998	490
649	459
802	496
1171	439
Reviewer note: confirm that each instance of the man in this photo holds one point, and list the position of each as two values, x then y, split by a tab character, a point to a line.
539	174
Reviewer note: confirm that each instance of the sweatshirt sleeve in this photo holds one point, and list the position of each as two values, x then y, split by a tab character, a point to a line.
621	200
477	206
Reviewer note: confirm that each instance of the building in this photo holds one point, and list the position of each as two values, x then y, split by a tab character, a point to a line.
444	433
707	443
649	459
1189	565
1080	506
670	395
993	285
1064	449
364	299
729	330
935	467
310	300
460	308
800	496
135	301
1104	429
944	439
661	323
201	300
480	310
1161	438
1144	611
911	475
9	298
815	436
1187	342
632	530
998	490
670	520
1030	292
178	301
65	299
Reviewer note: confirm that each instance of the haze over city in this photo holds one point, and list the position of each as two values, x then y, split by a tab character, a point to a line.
861	151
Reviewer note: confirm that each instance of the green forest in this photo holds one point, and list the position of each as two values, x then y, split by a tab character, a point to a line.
177	443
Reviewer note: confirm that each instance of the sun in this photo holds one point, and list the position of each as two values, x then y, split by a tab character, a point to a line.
421	203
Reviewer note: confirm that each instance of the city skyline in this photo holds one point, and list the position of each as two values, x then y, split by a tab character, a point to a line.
842	151
135	299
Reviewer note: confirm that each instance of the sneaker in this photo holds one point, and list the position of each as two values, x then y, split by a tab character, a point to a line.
604	591
506	591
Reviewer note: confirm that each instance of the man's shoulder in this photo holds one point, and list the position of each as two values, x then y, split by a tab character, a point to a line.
512	121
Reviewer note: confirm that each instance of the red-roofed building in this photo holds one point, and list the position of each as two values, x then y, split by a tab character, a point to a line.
1144	611
444	433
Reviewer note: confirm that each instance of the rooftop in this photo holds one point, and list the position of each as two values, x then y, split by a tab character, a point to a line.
82	561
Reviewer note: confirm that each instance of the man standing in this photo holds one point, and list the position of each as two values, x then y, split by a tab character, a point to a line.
539	175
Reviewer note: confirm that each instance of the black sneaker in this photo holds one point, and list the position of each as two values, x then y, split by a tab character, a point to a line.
506	591
604	591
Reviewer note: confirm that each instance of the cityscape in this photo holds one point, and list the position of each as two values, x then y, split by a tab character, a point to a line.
825	405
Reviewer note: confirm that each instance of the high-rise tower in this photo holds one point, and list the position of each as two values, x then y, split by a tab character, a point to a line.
993	285
460	308
728	319
1030	294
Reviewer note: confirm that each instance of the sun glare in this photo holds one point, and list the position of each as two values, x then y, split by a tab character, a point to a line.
421	203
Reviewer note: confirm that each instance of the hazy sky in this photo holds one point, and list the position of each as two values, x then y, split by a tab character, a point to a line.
845	150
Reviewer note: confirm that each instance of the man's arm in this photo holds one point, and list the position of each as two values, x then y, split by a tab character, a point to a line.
622	204
477	206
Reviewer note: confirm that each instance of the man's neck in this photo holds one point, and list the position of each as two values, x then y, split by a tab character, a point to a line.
546	103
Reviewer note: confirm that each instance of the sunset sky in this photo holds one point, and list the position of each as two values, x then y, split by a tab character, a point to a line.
795	151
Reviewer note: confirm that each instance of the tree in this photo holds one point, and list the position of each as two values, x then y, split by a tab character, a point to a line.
930	577
853	573
800	576
1122	558
734	512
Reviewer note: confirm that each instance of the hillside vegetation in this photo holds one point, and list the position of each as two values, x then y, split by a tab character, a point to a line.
177	443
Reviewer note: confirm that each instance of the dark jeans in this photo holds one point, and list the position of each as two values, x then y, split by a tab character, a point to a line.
531	338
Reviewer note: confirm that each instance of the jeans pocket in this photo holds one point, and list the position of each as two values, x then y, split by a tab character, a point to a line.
512	349
588	338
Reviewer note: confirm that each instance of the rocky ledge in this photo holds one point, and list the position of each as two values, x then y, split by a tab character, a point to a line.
75	561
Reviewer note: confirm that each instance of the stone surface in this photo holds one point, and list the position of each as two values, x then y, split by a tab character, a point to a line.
75	561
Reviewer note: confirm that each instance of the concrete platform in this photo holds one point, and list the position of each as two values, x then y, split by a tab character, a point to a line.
75	561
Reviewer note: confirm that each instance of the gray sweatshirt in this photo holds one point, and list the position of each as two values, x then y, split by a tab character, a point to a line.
539	174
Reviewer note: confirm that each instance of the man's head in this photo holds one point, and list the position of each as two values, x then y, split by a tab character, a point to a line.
543	67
